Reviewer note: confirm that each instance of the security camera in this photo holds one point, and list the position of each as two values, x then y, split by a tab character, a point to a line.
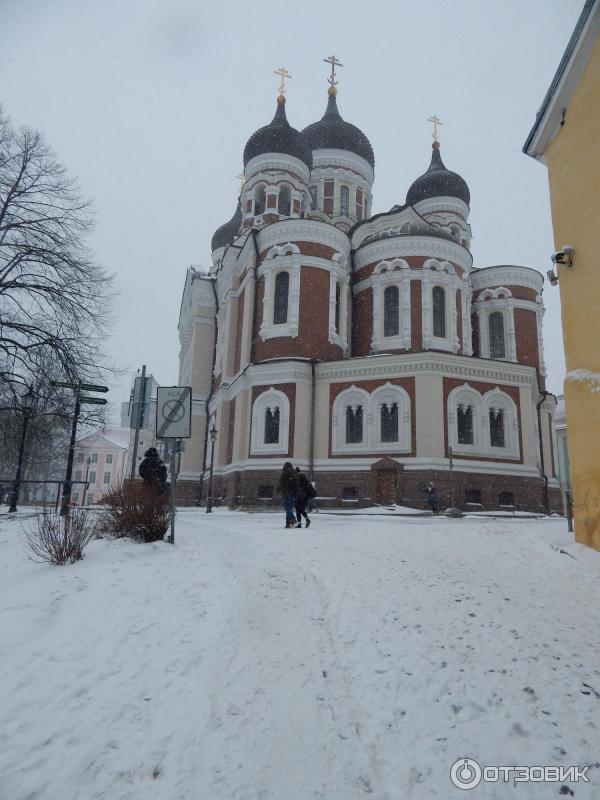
564	256
552	277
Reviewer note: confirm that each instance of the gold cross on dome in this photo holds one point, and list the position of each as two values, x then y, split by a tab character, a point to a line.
241	179
436	122
334	63
283	73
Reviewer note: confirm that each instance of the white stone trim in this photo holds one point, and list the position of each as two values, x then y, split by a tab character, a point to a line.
395	272
439	273
280	259
271	398
453	205
303	230
325	158
507	275
481	405
408	245
338	273
276	162
371	405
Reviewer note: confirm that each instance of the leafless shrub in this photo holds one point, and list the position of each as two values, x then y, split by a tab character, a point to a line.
136	510
60	540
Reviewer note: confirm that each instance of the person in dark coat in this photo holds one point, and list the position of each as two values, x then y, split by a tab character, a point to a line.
302	493
153	470
288	485
432	499
2	493
312	497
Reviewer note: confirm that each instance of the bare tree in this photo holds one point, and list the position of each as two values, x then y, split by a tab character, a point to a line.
54	297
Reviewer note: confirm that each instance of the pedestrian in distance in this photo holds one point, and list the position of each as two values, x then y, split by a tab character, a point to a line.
302	499
432	498
2	493
312	497
288	486
153	471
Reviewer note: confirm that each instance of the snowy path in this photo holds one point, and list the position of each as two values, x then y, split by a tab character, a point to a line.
358	659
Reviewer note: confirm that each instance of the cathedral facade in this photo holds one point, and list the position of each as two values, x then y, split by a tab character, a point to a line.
367	349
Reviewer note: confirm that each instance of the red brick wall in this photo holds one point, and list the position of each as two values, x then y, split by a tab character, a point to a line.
527	337
362	323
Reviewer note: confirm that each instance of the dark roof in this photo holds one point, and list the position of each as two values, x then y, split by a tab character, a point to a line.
438	181
278	137
227	232
583	17
333	132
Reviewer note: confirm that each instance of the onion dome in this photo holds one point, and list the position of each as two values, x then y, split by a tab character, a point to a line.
278	137
227	232
438	181
333	132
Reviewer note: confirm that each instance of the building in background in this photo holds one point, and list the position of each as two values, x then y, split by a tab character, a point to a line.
562	452
363	348
566	137
100	460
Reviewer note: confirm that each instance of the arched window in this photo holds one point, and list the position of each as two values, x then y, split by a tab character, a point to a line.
259	200
496	330
354	424
464	417
313	197
280	305
284	202
359	204
391	311
272	425
497	438
338	305
439	312
389	422
344	201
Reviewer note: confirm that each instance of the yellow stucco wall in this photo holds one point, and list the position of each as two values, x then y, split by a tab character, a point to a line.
573	159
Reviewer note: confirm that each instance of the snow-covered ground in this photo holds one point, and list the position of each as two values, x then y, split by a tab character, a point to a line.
356	659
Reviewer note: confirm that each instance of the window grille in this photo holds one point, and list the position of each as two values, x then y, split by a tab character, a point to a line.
497	438
272	426
389	422
282	285
496	329
465	424
344	201
106	478
328	197
109	458
391	312
354	425
439	312
94	458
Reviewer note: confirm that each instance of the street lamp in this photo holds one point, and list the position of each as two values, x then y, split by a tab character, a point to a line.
86	485
26	405
213	437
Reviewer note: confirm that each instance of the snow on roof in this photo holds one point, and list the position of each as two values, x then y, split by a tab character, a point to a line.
116	436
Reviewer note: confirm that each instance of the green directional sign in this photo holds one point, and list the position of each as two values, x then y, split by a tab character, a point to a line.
93	387
96	401
64	385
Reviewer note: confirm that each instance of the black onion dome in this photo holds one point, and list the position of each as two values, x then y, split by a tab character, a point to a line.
227	232
438	181
333	132
278	137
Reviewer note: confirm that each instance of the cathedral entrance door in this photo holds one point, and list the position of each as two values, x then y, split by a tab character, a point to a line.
386	486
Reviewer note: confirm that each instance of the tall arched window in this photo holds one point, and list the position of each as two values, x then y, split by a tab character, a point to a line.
354	424
280	305
272	425
496	330
439	312
497	438
259	200
344	201
389	422
284	202
464	418
338	305
391	311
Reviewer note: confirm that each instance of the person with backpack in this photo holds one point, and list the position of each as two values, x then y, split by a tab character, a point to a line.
312	497
153	470
288	486
302	499
432	499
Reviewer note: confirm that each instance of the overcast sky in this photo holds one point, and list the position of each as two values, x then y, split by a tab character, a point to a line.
150	103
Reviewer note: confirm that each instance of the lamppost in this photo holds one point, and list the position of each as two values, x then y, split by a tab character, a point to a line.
86	485
213	437
26	404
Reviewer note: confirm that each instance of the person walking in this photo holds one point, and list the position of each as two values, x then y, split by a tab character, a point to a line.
2	493
288	485
312	497
153	470
302	499
432	499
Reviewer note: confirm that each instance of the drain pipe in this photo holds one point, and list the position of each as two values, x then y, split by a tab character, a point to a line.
311	455
538	406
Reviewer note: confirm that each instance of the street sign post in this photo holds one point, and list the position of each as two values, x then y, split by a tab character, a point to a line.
92	387
96	401
174	421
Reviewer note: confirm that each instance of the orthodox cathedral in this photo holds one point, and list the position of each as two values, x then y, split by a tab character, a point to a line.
367	349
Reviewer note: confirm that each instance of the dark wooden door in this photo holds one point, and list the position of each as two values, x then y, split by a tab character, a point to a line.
386	487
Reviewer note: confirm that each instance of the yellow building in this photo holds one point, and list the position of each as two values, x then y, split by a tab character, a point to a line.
566	137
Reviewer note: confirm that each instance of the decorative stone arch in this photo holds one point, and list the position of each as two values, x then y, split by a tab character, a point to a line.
282	250
280	258
495	401
440	273
391	272
351	397
269	400
490	300
461	397
388	394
